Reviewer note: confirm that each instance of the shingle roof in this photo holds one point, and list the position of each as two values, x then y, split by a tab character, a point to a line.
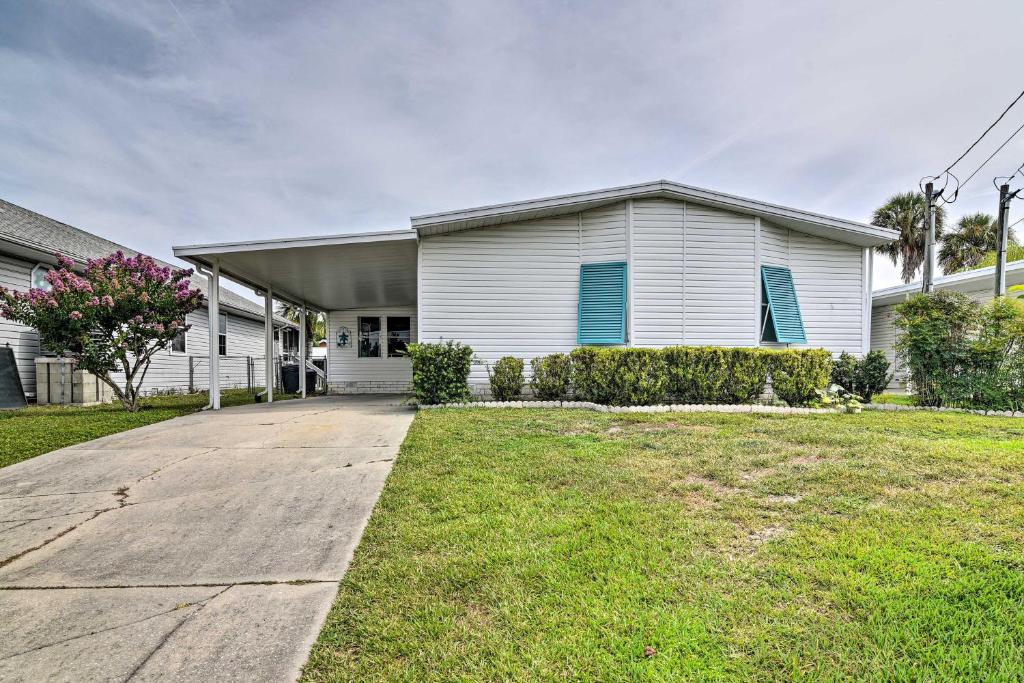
35	231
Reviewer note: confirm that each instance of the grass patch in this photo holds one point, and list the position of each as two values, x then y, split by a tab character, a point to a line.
897	399
32	431
560	545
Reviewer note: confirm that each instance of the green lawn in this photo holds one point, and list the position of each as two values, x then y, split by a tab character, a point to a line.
902	399
35	430
557	545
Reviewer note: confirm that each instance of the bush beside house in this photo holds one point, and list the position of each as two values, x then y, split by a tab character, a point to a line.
630	376
961	354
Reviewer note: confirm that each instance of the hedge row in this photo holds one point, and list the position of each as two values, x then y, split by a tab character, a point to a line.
630	376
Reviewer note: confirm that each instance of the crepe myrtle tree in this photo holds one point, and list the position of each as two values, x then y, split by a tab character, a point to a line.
111	318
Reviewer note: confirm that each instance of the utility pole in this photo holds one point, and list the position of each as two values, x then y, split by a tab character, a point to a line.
1003	217
928	277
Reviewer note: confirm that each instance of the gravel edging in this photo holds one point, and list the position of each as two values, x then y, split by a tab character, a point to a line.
897	407
675	408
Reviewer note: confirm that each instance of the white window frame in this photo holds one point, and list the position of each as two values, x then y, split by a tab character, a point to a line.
184	352
32	276
224	334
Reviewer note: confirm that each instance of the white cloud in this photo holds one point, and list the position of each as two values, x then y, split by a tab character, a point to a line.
156	124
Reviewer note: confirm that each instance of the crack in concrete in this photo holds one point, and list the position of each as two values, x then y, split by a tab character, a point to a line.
44	495
23	553
210	449
38	519
163	641
216	584
99	631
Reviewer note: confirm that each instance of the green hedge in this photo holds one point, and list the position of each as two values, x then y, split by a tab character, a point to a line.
715	374
440	372
552	377
797	375
506	378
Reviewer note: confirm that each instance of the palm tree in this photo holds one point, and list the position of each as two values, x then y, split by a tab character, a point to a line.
904	213
967	246
316	328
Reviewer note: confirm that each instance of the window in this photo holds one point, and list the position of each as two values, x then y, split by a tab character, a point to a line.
222	336
178	343
369	337
602	305
399	335
39	277
781	321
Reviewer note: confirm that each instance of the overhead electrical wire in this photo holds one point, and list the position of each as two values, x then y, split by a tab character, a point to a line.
980	137
983	164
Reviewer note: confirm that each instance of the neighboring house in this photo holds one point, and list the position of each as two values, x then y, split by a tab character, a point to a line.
646	265
28	242
978	284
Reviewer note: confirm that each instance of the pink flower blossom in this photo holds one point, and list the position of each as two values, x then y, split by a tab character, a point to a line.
75	315
137	320
108	300
94	302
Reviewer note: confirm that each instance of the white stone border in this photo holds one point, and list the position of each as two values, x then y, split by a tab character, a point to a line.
675	408
896	407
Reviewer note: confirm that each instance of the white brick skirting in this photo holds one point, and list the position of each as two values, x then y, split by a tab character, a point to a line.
895	407
675	408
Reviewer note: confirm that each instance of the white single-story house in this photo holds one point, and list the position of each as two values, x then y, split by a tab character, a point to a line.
28	244
978	284
648	265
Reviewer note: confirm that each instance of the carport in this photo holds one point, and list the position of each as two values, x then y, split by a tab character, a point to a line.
322	274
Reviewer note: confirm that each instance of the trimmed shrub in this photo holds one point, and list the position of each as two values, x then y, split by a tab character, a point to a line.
588	375
637	376
715	374
799	374
506	378
552	377
440	372
618	376
863	377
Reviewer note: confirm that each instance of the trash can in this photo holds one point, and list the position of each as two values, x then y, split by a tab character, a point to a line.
290	378
310	381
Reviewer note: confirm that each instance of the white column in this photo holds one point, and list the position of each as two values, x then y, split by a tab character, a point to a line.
213	310
268	315
302	350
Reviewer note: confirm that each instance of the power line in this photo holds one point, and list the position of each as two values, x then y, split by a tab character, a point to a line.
975	143
990	156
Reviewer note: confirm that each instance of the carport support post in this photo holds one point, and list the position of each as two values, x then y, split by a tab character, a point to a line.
213	311
302	350
268	342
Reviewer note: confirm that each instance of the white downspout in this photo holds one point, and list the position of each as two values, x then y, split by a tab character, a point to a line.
213	311
302	350
268	342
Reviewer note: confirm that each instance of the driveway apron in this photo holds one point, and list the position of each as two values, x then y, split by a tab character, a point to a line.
208	547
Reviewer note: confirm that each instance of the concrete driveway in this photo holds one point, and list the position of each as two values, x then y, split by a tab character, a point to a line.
208	547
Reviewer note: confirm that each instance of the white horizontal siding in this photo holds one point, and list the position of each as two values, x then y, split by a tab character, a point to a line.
829	281
16	275
603	233
509	290
883	338
657	258
346	371
774	245
718	295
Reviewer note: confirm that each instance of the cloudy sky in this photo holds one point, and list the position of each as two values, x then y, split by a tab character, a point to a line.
166	122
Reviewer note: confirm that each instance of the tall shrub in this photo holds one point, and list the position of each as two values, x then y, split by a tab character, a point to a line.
113	317
552	377
588	365
798	374
440	372
506	378
747	374
934	344
996	357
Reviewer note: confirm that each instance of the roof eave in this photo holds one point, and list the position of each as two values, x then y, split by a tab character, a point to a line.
450	221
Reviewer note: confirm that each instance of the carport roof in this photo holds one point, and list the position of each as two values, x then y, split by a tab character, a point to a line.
331	272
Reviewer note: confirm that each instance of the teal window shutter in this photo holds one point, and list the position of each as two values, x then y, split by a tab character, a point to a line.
602	307
780	311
